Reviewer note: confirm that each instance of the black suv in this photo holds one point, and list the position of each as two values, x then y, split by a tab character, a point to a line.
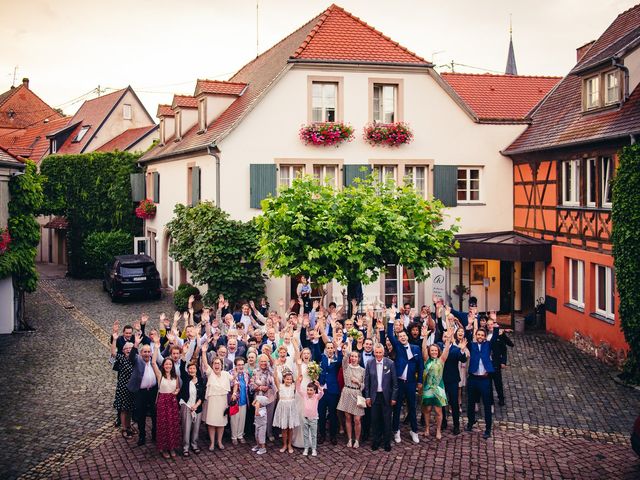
129	275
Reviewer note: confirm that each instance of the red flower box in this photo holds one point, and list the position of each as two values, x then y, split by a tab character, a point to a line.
326	134
5	240
146	209
387	134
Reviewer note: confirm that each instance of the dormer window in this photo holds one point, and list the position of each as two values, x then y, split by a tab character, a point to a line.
178	126
163	132
202	114
83	131
592	92
612	88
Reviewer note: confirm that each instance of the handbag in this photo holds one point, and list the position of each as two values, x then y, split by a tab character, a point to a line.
234	408
361	401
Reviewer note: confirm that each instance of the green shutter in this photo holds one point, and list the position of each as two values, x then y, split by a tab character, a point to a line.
445	184
138	184
262	183
195	185
156	187
351	172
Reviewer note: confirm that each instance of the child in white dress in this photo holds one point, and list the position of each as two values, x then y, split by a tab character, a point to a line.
286	416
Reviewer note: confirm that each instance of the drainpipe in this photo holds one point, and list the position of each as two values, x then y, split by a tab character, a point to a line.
632	138
616	64
212	150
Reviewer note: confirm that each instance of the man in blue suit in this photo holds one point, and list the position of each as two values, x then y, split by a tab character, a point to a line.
409	370
329	364
479	382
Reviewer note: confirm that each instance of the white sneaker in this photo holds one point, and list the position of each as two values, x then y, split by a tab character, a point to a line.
262	451
396	436
305	452
414	437
314	453
255	448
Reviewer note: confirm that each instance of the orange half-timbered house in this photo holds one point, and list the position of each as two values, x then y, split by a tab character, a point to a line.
563	167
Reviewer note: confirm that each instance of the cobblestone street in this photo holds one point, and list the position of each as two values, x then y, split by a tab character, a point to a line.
565	417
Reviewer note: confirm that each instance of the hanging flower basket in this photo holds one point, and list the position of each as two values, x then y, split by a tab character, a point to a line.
326	134
5	240
387	134
146	209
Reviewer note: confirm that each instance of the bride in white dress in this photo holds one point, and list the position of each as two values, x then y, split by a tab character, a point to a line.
302	364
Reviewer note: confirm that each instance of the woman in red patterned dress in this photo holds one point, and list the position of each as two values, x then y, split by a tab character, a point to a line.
168	438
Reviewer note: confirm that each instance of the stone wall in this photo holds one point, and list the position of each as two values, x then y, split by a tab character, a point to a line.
603	352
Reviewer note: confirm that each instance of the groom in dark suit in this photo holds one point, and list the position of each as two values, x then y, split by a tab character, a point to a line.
381	393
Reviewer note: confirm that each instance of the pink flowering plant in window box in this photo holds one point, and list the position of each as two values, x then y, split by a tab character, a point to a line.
326	134
146	209
5	240
388	134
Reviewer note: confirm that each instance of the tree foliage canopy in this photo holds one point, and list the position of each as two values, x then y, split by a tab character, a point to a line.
626	252
217	251
350	235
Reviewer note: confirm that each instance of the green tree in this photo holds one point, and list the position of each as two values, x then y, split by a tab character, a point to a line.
350	235
626	253
93	191
217	251
19	260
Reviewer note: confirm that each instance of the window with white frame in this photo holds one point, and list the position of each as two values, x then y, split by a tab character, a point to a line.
605	291
612	88
399	282
126	111
592	92
54	145
468	187
202	115
178	125
324	101
385	98
83	131
606	174
417	176
576	282
571	183
384	173
288	173
326	174
592	182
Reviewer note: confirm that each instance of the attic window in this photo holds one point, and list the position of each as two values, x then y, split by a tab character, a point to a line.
126	111
592	92
83	131
612	92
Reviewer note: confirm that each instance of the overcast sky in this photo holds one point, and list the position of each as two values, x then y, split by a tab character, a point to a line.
160	47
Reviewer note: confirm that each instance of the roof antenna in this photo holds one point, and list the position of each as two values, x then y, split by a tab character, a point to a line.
257	32
15	73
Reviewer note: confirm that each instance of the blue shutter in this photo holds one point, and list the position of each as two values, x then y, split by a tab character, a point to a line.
195	185
351	172
445	184
138	187
156	187
262	183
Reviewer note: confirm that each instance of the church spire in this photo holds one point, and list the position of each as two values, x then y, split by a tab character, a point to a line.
511	57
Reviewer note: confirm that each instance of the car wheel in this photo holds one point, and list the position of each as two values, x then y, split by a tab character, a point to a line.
113	297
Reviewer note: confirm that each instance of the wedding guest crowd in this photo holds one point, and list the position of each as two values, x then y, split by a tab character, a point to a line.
303	372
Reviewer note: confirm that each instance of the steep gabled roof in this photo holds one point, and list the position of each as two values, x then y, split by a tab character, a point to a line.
93	113
219	87
500	98
21	108
127	139
32	142
333	36
559	121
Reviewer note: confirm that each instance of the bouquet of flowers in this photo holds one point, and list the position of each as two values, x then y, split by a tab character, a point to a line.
314	371
353	333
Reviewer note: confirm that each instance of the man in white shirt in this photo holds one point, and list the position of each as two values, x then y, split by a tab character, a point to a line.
381	391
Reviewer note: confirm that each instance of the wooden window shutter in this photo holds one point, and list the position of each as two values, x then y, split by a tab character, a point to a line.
351	172
445	184
156	187
138	187
195	185
263	183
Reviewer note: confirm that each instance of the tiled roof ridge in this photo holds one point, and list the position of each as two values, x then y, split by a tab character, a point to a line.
323	16
220	81
501	75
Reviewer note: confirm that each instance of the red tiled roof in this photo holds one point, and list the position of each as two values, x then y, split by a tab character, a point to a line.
7	157
219	87
500	98
58	223
126	139
265	70
338	35
32	142
184	101
92	113
165	111
559	120
21	108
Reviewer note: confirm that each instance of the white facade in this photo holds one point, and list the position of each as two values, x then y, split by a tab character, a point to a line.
444	134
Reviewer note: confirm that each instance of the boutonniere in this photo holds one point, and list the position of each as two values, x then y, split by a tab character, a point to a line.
386	370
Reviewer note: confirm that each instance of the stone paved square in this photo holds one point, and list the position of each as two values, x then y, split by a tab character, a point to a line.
565	416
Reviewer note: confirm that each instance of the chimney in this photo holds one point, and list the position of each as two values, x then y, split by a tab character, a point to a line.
25	82
580	51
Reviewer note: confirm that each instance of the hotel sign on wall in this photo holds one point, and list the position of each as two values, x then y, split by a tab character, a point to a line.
438	281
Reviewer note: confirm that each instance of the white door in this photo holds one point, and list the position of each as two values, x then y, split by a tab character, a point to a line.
141	245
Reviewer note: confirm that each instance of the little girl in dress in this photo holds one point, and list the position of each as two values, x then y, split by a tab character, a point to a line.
286	416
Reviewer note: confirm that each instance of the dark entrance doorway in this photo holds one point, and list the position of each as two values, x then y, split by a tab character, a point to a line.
506	287
527	287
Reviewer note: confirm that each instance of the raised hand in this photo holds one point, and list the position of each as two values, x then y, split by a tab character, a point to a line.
138	339
144	319
252	304
316	304
463	344
116	328
493	316
176	317
191	300
205	316
425	331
